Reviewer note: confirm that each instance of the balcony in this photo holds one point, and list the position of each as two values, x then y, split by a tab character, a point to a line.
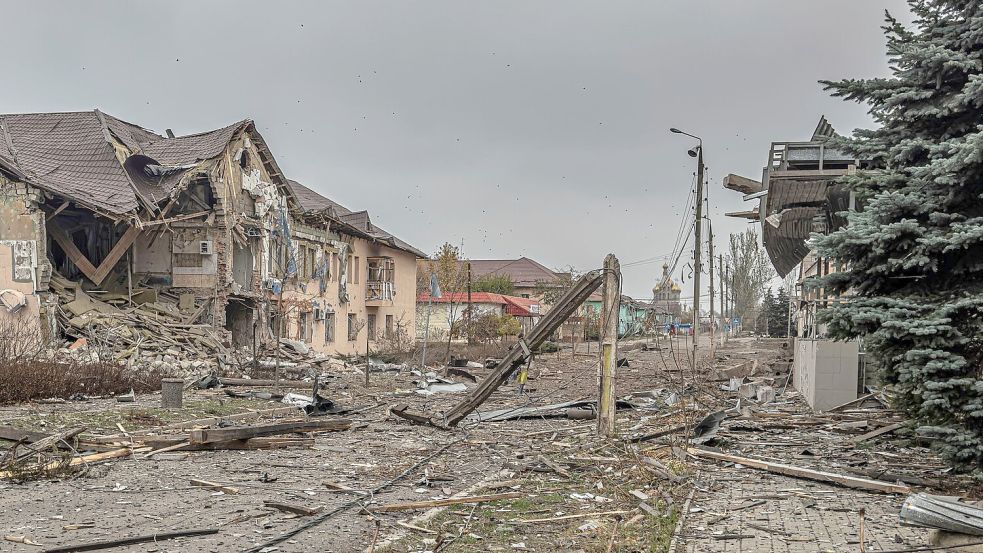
380	287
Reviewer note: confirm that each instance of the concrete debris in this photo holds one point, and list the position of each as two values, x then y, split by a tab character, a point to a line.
442	388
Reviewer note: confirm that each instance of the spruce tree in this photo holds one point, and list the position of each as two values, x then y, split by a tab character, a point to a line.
778	320
765	324
914	252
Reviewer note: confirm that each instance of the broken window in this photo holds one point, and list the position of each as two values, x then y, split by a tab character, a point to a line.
380	281
197	197
372	326
390	330
352	327
355	278
329	322
305	330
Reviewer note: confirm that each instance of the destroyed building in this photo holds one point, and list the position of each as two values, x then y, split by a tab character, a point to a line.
798	195
108	225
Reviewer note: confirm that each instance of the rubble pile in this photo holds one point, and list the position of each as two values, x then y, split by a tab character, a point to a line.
150	330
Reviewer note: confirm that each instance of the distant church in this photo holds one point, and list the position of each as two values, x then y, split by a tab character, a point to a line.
665	296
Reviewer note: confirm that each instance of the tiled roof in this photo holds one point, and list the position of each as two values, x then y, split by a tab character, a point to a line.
516	306
192	148
359	220
71	154
310	200
523	271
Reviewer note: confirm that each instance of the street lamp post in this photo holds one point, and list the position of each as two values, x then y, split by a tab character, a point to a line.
696	152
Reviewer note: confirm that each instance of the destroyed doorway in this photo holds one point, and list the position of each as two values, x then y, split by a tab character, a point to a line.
239	316
242	266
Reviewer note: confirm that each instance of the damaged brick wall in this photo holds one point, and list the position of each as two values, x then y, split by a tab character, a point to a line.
24	267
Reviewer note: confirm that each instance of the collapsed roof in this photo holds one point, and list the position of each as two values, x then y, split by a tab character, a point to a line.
106	164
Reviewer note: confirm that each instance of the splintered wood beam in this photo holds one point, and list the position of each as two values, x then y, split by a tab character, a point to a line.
751	214
177	218
517	355
57	211
119	542
742	184
95	274
209	435
74	254
123	244
801	472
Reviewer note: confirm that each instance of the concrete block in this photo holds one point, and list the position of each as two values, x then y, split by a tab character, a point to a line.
747	391
766	394
171	393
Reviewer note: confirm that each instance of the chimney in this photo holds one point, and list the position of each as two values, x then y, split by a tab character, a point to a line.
169	132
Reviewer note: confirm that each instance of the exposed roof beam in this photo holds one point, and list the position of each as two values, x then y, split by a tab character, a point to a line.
751	214
742	184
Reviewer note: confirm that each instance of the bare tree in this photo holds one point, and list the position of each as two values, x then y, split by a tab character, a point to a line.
751	272
452	275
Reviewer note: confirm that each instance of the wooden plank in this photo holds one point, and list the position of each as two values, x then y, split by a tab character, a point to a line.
293	509
410	505
14	434
83	460
107	544
214	485
741	184
801	472
72	251
114	255
252	443
95	274
176	218
276	411
880	431
47	442
245	432
55	213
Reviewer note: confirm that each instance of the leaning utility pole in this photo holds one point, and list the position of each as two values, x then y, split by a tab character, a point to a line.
697	253
610	315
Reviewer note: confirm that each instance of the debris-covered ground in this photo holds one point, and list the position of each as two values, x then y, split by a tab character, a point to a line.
543	483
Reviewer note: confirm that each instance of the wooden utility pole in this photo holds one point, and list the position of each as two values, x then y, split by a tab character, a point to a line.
610	315
713	331
697	253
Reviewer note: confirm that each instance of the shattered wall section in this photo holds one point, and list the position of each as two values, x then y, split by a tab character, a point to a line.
24	268
194	258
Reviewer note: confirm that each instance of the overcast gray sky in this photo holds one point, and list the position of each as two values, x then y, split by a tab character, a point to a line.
513	128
